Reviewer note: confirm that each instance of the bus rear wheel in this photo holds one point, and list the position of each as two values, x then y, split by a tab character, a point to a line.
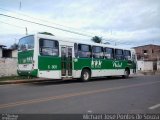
85	75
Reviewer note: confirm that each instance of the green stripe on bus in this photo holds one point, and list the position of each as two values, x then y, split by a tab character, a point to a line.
49	63
25	57
94	64
54	63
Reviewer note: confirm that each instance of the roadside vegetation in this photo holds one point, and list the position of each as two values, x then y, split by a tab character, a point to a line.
14	78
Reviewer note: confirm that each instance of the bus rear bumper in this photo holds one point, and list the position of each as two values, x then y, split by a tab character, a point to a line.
28	73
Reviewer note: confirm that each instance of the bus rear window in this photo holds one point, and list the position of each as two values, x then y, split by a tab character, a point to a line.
26	43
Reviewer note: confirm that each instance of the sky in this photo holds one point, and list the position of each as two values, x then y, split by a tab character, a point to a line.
127	23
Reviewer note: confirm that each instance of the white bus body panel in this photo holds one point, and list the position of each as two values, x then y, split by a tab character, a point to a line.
56	74
25	67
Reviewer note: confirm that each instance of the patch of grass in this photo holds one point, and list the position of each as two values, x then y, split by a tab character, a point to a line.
14	78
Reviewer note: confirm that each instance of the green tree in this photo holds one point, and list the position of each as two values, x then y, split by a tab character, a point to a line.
97	39
46	33
14	46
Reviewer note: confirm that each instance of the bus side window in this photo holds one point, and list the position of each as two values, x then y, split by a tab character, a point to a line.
76	50
127	54
48	47
119	54
84	51
109	53
97	52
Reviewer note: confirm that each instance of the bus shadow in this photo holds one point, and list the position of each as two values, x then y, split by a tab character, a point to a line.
75	81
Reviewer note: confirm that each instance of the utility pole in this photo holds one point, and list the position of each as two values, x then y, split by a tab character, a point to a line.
20	5
26	30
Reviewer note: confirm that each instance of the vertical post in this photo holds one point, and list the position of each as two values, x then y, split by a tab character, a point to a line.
20	5
26	30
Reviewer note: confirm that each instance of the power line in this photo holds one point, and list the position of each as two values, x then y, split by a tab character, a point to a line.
133	42
16	26
45	25
45	21
103	38
34	18
12	25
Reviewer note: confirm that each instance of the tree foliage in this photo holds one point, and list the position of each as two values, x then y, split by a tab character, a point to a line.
97	39
46	33
14	46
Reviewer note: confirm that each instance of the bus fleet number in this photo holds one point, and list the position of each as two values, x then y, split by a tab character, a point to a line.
53	67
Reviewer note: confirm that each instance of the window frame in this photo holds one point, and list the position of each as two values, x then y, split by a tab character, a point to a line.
113	53
102	51
145	51
75	50
126	55
119	55
21	44
41	47
80	50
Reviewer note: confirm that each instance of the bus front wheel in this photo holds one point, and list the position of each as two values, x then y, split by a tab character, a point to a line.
85	75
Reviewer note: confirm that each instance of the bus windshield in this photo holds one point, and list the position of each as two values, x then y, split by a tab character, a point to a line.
26	43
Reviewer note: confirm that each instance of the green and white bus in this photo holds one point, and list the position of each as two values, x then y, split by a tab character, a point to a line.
48	56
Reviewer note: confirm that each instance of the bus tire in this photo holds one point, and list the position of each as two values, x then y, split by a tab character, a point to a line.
108	77
126	73
85	75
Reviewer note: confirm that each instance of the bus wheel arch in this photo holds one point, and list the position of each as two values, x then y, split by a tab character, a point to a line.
86	74
126	72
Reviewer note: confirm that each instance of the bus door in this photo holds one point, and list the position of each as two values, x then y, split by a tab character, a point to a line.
66	61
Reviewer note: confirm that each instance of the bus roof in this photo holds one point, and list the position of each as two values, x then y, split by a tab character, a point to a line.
75	40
